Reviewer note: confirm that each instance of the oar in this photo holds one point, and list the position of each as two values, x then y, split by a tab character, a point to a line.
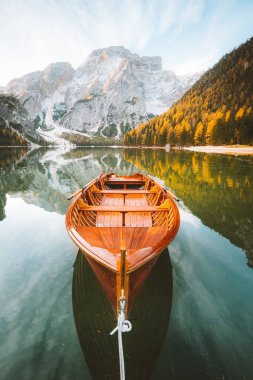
171	194
165	188
81	190
76	193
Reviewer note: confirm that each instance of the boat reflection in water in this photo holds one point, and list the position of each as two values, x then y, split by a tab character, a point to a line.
95	318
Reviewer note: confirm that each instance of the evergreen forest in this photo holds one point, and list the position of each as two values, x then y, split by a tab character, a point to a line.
217	110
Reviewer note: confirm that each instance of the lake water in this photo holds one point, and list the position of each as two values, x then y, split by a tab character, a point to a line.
202	325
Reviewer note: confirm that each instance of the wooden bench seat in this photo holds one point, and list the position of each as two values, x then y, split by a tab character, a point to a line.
125	209
120	180
114	219
124	192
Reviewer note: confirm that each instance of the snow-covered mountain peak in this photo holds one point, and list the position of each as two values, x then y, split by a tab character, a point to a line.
114	55
111	50
58	70
111	92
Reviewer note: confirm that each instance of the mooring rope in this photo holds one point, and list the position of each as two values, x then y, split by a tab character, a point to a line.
123	326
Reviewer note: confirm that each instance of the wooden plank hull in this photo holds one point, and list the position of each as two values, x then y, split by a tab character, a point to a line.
108	280
122	224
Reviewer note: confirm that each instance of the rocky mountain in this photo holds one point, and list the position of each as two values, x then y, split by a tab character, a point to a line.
216	110
16	128
110	93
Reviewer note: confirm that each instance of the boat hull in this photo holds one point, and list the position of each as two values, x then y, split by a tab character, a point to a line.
122	224
108	281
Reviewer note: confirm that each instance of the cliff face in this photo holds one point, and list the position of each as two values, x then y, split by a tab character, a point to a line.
32	89
15	126
111	92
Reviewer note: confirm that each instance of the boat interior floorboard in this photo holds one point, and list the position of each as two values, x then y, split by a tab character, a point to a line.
133	219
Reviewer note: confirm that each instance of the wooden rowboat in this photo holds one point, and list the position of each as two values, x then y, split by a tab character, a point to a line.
122	224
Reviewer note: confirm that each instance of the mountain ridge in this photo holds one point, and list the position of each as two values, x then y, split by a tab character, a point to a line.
108	94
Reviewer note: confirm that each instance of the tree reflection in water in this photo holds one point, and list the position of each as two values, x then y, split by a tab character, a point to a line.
218	189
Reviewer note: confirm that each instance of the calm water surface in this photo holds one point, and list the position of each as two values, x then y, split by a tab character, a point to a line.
207	334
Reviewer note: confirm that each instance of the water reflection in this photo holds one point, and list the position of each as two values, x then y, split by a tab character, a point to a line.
216	188
11	155
95	318
46	177
210	329
38	337
8	157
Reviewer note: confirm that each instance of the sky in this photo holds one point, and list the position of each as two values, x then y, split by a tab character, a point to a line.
189	35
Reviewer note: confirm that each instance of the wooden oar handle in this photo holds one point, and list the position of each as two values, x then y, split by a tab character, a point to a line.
93	181
165	187
171	194
76	193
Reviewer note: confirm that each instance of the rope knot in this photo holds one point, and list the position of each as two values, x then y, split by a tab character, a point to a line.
123	326
126	326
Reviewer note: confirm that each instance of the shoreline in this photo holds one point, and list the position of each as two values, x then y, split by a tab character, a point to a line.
222	149
219	149
142	147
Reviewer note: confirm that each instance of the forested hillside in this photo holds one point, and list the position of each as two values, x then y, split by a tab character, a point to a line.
15	126
218	109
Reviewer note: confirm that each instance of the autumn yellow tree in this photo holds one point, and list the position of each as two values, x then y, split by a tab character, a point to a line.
198	135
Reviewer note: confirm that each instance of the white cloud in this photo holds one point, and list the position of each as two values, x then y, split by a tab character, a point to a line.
35	33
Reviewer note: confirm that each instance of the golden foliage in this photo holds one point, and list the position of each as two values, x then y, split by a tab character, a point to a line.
216	110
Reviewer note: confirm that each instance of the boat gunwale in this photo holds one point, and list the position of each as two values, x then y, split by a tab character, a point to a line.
111	264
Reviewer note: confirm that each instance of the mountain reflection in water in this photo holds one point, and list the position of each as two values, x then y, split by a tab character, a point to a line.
95	319
216	188
210	329
46	177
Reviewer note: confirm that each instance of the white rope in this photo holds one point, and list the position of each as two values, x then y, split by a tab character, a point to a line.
123	326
